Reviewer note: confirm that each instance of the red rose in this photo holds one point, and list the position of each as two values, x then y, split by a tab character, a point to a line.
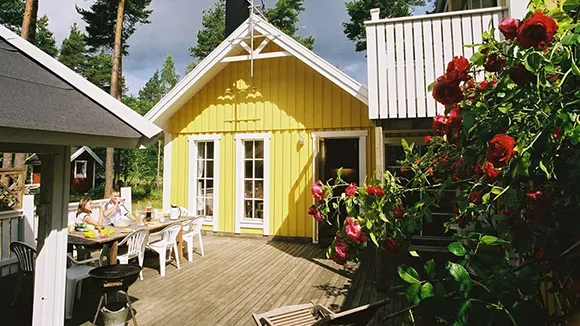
375	191
350	190
494	63
439	124
447	91
391	246
459	220
557	133
353	230
457	69
430	171
454	120
399	212
490	171
455	209
427	140
475	197
341	251
537	31
534	195
520	75
318	191
500	150
509	27
315	213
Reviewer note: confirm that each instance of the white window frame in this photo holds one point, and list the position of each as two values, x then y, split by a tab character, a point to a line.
192	188
362	157
81	176
240	221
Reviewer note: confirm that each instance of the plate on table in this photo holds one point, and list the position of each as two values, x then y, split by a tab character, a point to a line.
153	223
126	230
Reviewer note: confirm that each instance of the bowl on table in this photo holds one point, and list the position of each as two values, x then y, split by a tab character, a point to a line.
122	223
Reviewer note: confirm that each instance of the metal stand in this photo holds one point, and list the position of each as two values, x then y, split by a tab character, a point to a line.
103	296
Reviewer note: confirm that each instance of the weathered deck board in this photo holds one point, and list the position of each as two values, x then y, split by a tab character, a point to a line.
237	277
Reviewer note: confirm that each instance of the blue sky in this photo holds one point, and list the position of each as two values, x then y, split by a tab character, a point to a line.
174	26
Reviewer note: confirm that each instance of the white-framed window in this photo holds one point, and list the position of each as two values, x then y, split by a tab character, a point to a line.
252	181
80	171
204	177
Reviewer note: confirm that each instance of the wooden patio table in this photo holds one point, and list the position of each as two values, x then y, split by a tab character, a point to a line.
78	237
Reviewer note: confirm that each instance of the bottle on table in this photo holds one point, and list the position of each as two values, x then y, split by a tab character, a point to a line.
148	210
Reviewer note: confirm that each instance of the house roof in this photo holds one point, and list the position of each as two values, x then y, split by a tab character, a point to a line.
75	150
213	64
49	103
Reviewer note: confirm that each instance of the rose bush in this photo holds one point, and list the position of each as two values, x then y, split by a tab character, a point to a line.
508	148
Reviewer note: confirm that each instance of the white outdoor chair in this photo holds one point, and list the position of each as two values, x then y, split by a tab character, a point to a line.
136	242
168	241
75	274
25	255
191	230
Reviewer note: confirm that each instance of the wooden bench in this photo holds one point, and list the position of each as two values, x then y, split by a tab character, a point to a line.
317	315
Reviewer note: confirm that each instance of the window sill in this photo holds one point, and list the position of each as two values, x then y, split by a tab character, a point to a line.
251	224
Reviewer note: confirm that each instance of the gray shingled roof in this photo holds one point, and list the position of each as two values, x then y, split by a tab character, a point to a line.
27	89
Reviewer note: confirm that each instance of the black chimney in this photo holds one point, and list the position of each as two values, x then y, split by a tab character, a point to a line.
237	11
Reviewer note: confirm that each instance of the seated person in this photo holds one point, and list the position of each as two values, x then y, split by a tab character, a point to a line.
114	210
85	210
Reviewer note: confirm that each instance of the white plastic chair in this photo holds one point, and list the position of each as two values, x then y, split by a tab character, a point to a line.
75	274
168	241
191	230
136	242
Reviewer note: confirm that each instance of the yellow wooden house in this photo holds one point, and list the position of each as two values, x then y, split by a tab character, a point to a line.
253	125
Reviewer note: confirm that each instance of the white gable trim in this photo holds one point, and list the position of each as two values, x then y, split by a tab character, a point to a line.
171	102
88	150
123	112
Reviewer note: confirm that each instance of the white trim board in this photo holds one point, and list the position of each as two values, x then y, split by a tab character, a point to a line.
88	150
109	103
240	221
167	157
192	189
213	65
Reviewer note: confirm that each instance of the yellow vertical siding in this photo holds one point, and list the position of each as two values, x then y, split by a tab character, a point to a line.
285	98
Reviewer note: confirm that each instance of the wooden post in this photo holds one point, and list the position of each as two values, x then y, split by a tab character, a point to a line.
167	153
29	222
50	275
379	153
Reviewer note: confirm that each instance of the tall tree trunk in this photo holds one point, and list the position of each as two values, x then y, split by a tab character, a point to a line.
28	33
115	81
29	21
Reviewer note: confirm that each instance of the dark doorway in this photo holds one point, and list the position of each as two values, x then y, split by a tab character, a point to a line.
337	153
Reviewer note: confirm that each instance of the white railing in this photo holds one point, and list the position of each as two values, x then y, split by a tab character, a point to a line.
10	230
407	54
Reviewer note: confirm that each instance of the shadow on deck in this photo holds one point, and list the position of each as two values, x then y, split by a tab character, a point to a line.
237	277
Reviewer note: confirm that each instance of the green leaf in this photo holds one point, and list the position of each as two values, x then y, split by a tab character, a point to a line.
408	274
460	277
413	253
430	268
427	291
478	58
412	293
440	289
457	249
543	167
533	61
431	86
374	238
485	198
463	312
496	190
491	240
575	69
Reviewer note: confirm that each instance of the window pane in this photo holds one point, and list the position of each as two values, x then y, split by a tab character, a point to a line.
259	170
209	169
200	149
249	169
209	149
209	184
249	148
248	191
248	209
259	149
259	189
259	206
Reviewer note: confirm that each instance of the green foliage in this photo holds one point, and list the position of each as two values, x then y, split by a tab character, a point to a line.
44	37
73	50
98	69
284	16
101	19
359	12
11	13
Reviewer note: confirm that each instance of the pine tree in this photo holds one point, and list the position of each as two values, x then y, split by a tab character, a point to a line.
44	37
150	94
11	13
360	10
284	16
168	77
73	50
98	70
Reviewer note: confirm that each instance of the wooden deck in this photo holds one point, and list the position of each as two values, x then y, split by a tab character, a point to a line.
237	277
